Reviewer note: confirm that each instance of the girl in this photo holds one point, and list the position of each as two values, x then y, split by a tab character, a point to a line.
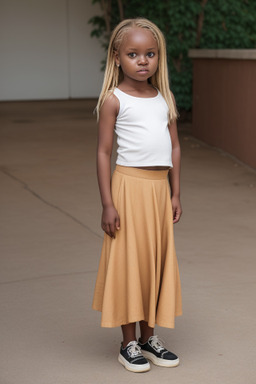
138	277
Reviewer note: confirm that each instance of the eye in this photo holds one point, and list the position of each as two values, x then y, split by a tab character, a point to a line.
151	54
132	55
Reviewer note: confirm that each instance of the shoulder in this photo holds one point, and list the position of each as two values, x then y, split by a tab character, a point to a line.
110	104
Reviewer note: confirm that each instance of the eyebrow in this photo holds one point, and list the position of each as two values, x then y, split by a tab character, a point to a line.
147	49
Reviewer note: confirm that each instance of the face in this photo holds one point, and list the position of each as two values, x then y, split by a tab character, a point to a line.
138	55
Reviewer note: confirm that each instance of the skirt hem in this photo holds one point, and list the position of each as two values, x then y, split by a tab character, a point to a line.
119	323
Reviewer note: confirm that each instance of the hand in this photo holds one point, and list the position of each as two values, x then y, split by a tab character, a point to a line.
110	221
176	209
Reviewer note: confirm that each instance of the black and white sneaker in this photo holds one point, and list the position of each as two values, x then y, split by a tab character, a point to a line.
154	350
132	359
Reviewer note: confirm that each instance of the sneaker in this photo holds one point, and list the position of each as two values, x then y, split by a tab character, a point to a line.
154	350
132	359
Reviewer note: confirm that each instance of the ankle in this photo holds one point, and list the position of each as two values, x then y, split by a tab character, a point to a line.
145	331
144	339
125	342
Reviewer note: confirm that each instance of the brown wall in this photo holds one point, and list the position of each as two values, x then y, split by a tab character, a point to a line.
224	106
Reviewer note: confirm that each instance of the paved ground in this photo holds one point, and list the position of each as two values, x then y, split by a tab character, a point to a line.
50	246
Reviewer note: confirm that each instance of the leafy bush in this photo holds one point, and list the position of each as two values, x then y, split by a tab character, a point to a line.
186	24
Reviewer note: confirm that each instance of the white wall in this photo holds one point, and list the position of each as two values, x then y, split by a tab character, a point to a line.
86	53
46	51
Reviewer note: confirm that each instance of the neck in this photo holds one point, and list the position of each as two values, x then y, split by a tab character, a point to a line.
139	86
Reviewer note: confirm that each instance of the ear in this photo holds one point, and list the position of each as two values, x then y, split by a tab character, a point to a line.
117	60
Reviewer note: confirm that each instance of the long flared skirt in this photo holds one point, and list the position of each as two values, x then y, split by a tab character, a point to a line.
138	276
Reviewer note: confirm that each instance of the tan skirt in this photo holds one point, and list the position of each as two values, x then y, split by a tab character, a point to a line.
138	275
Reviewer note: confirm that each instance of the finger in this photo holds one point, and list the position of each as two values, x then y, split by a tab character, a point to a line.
107	230
118	223
177	216
112	230
174	212
104	226
176	220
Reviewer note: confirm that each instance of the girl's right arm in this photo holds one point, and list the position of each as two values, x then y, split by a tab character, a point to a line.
110	221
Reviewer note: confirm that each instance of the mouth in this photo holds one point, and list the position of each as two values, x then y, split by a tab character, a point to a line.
144	70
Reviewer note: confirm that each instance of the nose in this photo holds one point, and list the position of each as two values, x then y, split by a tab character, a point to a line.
143	60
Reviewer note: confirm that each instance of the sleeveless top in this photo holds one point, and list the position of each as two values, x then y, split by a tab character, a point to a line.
141	127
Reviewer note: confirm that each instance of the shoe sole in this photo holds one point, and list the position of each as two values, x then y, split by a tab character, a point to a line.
133	367
160	362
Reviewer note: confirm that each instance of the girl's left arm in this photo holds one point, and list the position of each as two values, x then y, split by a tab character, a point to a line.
174	173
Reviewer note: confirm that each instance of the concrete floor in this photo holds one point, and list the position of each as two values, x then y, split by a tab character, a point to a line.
50	248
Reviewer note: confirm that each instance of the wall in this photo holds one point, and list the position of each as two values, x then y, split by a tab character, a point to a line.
46	50
85	53
224	94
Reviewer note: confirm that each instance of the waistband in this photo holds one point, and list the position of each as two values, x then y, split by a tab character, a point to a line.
142	173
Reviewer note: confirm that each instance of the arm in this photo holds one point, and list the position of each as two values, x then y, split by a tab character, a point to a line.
174	173
110	221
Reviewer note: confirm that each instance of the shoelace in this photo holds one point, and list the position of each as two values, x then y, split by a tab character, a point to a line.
134	349
157	343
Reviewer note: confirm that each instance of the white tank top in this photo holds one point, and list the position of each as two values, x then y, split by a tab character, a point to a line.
143	136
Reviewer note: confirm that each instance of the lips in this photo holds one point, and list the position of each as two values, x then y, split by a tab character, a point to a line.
144	70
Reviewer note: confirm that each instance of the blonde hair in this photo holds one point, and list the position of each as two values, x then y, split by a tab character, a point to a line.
113	74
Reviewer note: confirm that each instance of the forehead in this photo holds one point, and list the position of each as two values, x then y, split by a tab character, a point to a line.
139	38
